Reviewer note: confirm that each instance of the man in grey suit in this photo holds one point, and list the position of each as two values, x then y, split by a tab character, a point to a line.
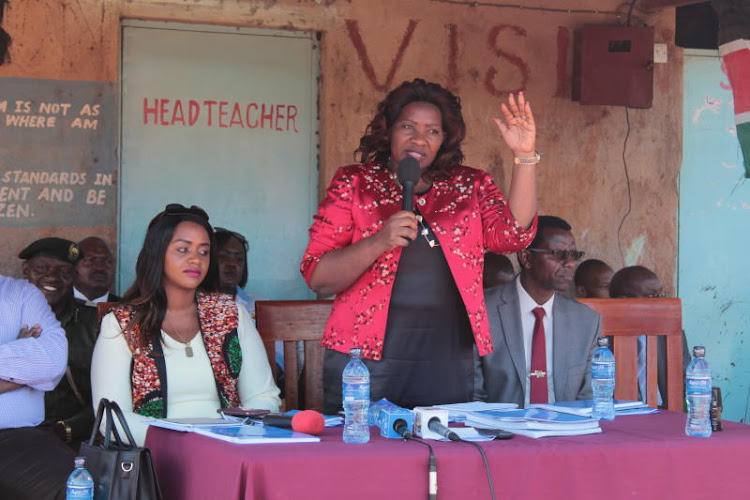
570	328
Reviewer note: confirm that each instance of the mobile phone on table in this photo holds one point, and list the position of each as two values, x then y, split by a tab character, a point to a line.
243	412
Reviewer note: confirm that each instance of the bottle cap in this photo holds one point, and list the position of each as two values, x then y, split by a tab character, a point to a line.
355	352
602	342
699	351
80	461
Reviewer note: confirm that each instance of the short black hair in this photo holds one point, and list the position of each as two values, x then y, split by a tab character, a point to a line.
544	222
585	267
222	238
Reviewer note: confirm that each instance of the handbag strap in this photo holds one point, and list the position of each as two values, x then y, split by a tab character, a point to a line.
123	423
98	422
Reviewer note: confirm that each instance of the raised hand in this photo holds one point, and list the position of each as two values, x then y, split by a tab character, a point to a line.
517	126
27	332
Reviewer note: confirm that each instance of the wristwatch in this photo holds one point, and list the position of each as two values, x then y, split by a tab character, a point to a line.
528	161
64	431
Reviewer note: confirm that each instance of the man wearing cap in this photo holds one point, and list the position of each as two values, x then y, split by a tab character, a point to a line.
33	462
95	272
49	265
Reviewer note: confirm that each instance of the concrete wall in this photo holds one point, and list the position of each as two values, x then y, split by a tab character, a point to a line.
481	53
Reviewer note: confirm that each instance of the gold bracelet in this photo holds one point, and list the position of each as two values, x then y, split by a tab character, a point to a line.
528	161
68	430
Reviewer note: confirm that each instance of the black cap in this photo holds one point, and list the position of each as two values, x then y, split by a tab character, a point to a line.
65	250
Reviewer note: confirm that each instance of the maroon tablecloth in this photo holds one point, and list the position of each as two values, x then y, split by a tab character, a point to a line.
635	457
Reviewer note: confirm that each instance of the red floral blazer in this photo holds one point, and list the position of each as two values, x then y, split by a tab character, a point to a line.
467	213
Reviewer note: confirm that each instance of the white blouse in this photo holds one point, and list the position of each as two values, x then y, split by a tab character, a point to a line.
191	387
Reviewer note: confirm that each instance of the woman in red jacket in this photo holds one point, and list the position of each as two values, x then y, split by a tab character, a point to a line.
408	284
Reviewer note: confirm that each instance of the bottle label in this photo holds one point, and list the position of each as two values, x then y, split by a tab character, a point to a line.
698	385
355	391
602	370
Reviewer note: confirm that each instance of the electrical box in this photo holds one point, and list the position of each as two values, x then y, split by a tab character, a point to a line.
614	65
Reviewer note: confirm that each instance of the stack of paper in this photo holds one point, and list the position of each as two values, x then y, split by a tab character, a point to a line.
583	407
457	412
235	432
534	422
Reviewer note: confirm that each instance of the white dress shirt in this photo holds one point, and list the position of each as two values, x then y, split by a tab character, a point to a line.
90	302
527	305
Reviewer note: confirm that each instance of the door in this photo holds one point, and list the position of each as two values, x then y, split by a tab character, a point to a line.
222	118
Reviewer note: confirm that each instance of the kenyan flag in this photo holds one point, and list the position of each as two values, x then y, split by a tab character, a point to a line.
734	47
736	56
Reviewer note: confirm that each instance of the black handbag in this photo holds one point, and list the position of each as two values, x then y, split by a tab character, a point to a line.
121	471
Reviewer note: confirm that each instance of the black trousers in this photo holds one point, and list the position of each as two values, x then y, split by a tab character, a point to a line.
34	464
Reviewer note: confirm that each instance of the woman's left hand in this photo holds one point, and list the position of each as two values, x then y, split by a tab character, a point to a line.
517	128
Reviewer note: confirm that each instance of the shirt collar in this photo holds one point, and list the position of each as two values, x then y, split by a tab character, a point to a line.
77	294
528	304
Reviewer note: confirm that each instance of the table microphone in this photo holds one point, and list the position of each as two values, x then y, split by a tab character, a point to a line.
437	427
408	175
307	421
395	422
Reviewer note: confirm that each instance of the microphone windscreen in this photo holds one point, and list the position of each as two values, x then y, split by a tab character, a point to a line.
308	422
408	170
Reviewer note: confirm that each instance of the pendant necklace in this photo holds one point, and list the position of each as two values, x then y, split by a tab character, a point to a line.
178	337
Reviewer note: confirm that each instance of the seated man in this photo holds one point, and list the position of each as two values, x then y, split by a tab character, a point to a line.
95	273
642	282
543	340
498	270
48	264
33	462
592	279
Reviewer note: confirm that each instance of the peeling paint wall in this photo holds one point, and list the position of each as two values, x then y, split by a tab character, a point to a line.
714	204
480	52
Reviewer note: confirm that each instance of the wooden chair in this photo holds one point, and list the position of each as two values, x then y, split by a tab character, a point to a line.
624	320
292	322
102	308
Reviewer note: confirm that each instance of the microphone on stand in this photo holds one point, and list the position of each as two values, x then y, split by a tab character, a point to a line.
395	422
307	421
408	175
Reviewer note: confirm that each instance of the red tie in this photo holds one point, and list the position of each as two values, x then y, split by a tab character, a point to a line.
538	372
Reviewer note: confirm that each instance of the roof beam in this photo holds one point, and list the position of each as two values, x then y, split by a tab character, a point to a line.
651	5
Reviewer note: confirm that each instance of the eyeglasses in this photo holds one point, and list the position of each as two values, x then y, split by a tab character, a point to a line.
233	234
178	209
574	255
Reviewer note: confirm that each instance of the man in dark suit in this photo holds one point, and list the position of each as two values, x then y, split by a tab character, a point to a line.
518	371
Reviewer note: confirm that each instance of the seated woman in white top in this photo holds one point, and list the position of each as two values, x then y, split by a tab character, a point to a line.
175	348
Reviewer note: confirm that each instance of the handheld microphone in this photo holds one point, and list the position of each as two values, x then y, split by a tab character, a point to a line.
395	422
408	175
307	421
437	427
432	423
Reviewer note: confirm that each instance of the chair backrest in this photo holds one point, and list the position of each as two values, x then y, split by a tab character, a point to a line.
102	308
625	320
293	322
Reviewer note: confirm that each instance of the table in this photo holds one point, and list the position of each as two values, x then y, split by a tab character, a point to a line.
635	457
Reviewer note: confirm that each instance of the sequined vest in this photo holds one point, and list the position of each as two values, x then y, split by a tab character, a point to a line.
218	318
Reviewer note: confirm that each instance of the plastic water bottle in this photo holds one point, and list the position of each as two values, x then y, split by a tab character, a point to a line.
356	393
603	381
80	484
698	395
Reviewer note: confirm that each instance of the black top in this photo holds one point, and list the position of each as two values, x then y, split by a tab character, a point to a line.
428	347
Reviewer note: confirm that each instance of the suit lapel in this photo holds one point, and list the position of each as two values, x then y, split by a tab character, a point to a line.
562	328
510	317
